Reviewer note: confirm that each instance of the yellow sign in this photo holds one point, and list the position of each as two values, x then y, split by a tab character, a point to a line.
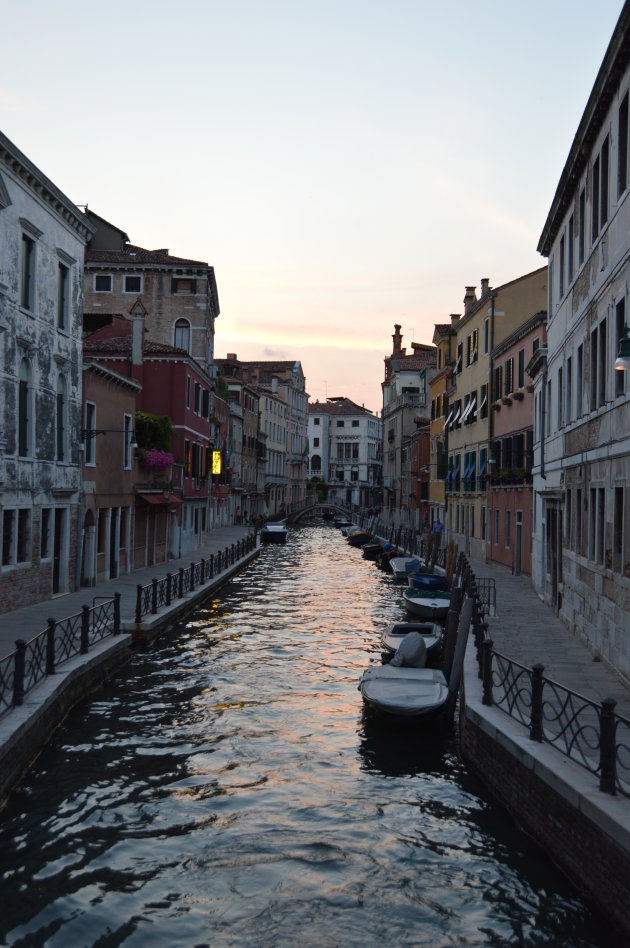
216	462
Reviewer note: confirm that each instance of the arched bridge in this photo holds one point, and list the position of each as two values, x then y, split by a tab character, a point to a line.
317	510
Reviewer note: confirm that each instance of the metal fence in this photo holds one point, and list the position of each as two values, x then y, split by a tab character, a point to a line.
589	733
32	661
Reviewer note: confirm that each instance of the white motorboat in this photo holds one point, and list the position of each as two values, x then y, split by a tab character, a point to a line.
404	693
274	533
394	634
403	566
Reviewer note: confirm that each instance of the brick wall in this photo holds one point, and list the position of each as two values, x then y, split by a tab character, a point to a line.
593	860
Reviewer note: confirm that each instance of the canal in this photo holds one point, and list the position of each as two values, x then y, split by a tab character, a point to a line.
227	788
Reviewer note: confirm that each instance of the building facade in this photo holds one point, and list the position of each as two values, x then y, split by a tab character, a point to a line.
486	323
445	342
581	560
353	451
406	403
42	245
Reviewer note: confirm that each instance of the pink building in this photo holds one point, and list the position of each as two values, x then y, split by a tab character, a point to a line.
509	493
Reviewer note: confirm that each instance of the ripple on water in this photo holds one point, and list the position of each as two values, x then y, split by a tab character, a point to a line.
229	788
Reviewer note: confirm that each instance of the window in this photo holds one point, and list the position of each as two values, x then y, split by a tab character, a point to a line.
560	395
185	285
127	444
188	391
507	529
8	536
620	322
579	382
595	197
27	291
44	542
578	520
63	288
486	336
205	406
498	382
618	522
593	404
355	423
569	391
570	249
315	442
483	408
90	425
603	362
182	335
197	408
496	525
60	418
509	376
354	475
549	393
603	199
622	151
132	284
24	409
186	458
521	368
102	282
23	536
340	424
561	268
581	226
16	536
458	364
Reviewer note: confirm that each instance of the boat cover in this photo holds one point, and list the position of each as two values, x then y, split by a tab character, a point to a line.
408	692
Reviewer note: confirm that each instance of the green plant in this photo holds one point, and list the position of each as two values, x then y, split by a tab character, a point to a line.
222	388
153	431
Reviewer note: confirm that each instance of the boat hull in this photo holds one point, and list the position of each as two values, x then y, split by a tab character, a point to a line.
394	634
410	695
430	606
427	581
273	534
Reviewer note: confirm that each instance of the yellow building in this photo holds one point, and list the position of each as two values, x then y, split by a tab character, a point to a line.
486	322
445	341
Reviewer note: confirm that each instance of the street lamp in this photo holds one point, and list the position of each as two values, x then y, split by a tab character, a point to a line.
622	362
88	433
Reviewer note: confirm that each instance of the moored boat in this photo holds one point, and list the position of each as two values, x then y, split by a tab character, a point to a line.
432	605
403	566
394	634
406	694
427	581
274	533
359	538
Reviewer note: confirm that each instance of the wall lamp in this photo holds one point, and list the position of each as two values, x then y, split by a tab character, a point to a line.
622	362
88	433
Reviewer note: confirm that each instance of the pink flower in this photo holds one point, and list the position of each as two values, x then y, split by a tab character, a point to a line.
156	459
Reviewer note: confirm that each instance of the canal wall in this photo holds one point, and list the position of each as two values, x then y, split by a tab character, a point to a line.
584	831
26	729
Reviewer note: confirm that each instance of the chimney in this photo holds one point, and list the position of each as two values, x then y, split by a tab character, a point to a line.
232	356
274	385
397	351
485	286
469	299
454	318
137	340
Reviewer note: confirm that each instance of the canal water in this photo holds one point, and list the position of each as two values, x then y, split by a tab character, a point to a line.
227	788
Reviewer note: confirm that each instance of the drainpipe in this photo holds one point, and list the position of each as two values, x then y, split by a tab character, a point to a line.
543	420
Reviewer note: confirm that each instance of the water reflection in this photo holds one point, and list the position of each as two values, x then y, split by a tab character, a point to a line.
229	789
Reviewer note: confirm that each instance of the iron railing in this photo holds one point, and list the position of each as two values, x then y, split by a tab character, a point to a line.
33	660
587	732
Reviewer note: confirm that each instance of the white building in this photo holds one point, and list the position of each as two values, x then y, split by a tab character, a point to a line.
581	539
274	428
42	245
350	461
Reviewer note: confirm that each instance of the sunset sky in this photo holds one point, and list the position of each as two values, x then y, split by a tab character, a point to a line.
344	165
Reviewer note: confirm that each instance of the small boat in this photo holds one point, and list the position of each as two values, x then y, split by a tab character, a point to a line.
350	528
372	550
342	522
274	533
394	634
427	581
432	605
408	694
359	538
403	566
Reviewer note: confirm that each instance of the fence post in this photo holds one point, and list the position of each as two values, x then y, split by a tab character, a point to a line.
181	582
169	579
202	571
212	566
536	719
192	577
233	554
116	613
85	629
18	675
486	662
50	647
154	589
138	603
607	748
226	558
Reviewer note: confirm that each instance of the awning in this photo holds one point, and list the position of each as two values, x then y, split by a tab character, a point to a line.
456	470
467	410
159	498
482	469
450	415
458	413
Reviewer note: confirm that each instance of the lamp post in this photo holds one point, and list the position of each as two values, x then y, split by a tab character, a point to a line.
88	433
622	362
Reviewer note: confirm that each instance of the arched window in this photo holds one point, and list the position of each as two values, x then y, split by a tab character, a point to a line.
316	463
24	409
182	334
61	418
